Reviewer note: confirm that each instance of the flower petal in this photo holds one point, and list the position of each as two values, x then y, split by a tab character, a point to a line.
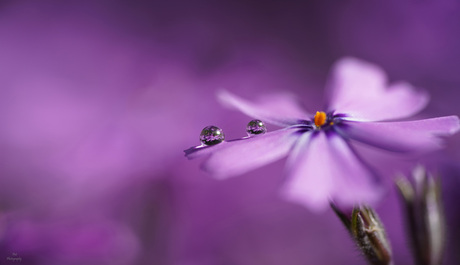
325	168
280	109
237	157
359	90
404	136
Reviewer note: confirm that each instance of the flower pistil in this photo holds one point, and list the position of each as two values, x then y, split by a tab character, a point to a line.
320	118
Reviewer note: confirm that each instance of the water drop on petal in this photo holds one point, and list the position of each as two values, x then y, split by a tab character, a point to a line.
212	135
255	127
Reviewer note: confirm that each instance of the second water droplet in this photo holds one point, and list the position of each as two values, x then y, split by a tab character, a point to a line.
255	127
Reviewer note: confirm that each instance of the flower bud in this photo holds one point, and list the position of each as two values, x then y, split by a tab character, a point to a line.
425	216
369	234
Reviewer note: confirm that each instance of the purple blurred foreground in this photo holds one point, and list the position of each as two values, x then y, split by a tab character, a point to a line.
99	98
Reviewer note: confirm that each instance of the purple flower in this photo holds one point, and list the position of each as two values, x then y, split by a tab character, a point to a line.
322	165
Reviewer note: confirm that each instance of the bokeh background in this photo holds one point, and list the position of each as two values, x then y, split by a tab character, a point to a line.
98	100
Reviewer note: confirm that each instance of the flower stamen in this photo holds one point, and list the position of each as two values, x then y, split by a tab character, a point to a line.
320	118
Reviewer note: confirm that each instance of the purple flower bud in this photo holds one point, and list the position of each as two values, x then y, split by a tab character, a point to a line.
369	234
425	216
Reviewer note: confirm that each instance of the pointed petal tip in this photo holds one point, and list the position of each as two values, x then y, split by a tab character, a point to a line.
201	150
456	125
447	126
188	153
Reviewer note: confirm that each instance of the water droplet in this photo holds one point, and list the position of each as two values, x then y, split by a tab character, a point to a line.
212	135
256	127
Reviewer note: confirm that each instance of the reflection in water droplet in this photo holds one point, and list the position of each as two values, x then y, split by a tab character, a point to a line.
256	127
212	135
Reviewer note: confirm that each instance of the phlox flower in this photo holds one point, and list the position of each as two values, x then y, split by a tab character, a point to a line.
322	164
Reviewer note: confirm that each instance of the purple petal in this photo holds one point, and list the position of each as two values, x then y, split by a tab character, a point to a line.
404	136
325	168
359	90
237	157
280	109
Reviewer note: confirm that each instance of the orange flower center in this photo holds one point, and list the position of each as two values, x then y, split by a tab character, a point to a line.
320	118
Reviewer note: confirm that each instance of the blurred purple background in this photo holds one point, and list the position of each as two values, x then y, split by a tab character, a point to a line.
98	100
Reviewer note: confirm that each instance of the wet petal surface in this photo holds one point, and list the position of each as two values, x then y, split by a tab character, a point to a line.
240	156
